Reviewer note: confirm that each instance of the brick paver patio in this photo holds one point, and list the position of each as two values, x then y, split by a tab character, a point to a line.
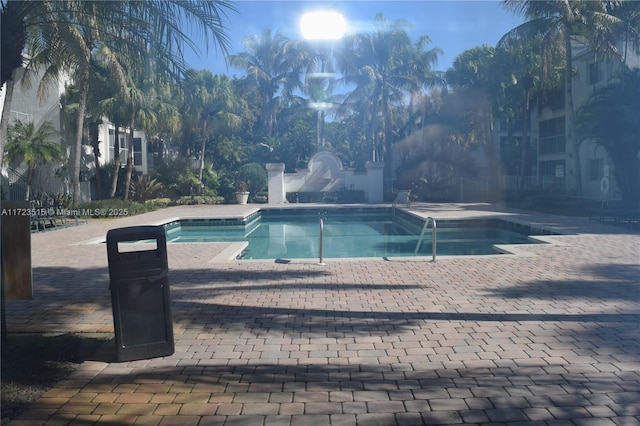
548	336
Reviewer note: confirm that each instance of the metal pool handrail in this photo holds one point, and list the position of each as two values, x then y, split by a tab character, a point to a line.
321	262
402	195
434	238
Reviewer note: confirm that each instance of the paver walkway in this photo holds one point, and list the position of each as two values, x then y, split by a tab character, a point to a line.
552	337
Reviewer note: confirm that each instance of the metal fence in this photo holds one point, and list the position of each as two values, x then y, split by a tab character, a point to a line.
14	187
470	189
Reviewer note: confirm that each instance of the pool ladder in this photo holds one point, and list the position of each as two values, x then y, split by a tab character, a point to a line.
403	197
433	238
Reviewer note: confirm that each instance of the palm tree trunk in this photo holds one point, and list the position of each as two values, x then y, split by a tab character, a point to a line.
573	175
524	145
29	179
204	145
77	145
490	153
371	132
116	162
127	186
388	153
96	157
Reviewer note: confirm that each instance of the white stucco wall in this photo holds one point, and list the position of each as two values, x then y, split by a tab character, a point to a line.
325	174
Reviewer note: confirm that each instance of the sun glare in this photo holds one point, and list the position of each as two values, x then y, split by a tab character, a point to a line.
322	25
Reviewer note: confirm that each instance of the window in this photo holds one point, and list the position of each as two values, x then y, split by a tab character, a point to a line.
137	151
552	136
110	143
124	148
553	168
121	145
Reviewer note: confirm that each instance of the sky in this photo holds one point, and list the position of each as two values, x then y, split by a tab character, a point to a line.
453	26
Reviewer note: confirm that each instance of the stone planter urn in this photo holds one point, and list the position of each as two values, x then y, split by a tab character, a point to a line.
242	197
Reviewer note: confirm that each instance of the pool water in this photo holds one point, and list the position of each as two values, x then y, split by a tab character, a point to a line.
348	233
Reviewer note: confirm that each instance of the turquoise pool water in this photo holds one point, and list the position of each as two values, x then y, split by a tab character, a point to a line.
348	233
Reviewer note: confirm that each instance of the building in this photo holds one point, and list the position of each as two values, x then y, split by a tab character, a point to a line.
27	106
547	135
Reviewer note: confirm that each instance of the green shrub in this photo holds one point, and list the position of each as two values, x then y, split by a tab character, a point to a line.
177	178
144	188
106	176
160	202
261	198
114	208
198	199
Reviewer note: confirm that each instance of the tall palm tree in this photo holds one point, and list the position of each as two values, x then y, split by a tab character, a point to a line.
273	64
33	146
519	66
137	91
115	108
474	77
383	67
562	22
75	30
212	100
319	81
101	87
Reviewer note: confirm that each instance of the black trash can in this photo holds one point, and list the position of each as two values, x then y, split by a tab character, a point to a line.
140	297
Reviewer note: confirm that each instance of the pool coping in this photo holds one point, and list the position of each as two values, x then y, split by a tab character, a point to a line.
479	211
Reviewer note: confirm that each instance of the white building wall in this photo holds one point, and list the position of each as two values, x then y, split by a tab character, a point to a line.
106	137
27	106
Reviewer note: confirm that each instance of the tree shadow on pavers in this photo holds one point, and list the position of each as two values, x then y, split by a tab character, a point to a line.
74	282
601	283
180	287
219	275
432	394
61	295
344	323
609	299
292	321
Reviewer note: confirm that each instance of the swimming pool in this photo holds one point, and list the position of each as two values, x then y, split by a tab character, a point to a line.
348	233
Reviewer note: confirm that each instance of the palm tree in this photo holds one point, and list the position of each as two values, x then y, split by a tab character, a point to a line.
383	67
212	101
519	65
114	108
319	79
101	87
15	18
33	146
273	64
148	111
474	77
561	22
72	32
610	117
